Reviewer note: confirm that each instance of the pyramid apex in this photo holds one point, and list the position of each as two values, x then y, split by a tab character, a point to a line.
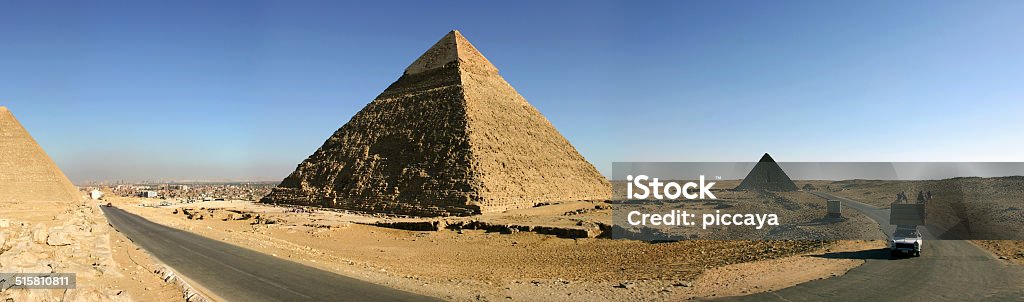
452	48
767	175
459	38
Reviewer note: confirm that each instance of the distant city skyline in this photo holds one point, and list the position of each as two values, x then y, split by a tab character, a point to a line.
245	90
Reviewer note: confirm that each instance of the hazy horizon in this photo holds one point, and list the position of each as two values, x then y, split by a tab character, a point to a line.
246	90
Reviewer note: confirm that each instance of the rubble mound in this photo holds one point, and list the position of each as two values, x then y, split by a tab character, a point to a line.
26	172
449	137
76	240
768	176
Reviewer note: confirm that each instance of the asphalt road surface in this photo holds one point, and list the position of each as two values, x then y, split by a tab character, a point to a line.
240	274
948	270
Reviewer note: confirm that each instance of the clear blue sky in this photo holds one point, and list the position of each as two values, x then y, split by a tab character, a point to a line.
248	89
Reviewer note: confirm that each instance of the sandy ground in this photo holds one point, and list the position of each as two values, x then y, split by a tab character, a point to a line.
775	274
1009	250
75	238
476	265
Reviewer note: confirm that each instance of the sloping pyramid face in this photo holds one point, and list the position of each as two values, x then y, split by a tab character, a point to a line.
450	137
26	172
768	176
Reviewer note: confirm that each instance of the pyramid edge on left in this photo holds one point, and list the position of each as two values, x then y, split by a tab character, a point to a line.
28	172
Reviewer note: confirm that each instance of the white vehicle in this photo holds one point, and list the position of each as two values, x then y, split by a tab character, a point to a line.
907	240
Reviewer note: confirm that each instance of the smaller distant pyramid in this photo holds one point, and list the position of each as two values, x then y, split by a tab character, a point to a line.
26	172
768	176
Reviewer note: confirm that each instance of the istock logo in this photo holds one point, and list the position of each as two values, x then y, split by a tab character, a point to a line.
671	190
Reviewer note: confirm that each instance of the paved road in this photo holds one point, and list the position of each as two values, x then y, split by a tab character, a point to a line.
240	274
948	270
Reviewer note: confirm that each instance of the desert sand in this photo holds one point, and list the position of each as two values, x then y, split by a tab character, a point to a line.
474	264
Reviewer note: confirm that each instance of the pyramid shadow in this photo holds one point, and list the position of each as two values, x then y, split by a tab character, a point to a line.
879	253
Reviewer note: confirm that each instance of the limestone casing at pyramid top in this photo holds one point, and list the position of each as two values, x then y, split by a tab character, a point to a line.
453	47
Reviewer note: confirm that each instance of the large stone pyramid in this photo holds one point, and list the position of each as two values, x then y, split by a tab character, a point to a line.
450	137
26	172
767	175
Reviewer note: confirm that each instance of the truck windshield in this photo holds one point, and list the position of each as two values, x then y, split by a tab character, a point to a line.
905	233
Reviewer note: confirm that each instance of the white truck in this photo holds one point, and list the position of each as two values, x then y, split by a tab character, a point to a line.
906	240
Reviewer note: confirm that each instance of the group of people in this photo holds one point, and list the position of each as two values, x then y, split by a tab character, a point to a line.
922	197
301	210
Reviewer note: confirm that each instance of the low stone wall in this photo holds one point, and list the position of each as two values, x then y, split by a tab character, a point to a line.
189	293
586	230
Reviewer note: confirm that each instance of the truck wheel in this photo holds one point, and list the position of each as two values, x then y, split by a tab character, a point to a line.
917	254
